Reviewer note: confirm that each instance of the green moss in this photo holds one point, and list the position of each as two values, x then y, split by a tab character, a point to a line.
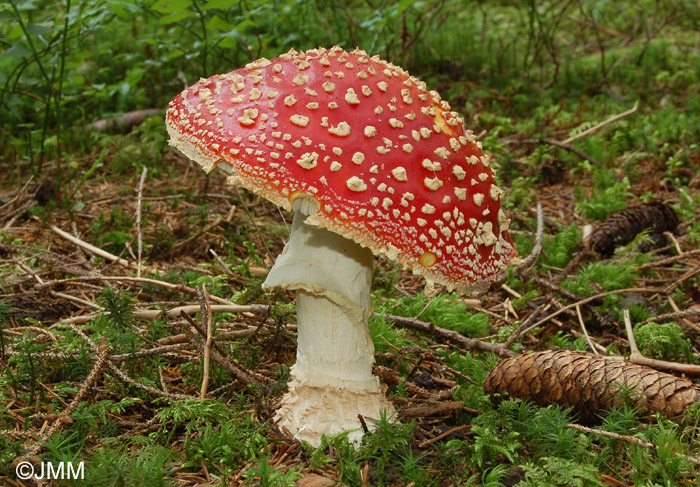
664	341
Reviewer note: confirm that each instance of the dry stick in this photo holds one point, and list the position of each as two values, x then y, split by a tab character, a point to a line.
602	124
91	248
16	213
152	314
37	329
685	321
566	147
164	351
440	408
585	332
76	299
206	312
102	354
637	358
439	437
116	371
222	264
499	349
151	390
627	439
681	279
537	247
28	270
363	423
19	193
138	221
588	300
673	239
163	385
141	280
524	325
673	316
175	347
238	371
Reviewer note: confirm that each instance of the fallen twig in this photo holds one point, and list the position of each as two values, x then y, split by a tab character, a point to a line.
134	280
139	236
602	124
19	193
585	331
499	349
239	372
152	314
440	408
90	248
684	277
566	147
102	354
588	300
627	439
116	371
537	247
524	325
447	433
636	356
391	377
222	264
208	320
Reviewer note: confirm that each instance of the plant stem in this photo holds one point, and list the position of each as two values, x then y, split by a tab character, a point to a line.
205	43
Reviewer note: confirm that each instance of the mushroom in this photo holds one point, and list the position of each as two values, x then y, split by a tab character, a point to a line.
371	162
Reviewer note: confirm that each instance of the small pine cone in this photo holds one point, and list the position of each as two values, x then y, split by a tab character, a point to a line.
590	384
622	227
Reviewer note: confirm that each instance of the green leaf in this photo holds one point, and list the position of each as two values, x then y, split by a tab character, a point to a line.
17	50
171	19
171	6
122	9
220	4
77	80
228	41
26	5
124	88
39	29
218	24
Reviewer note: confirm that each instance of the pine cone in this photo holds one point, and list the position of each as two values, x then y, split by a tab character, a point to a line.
589	383
622	227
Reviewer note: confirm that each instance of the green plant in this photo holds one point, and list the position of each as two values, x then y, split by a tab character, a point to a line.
136	462
665	341
192	413
264	475
560	248
389	438
607	196
91	416
559	471
382	333
445	310
5	309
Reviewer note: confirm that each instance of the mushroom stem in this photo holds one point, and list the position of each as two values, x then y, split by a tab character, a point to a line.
332	381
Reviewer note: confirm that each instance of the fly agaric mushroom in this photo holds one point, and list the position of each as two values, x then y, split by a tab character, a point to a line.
371	163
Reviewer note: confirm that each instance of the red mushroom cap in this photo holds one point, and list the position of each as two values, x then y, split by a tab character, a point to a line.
389	164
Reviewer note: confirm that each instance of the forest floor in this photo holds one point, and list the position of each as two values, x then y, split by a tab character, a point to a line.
60	296
114	248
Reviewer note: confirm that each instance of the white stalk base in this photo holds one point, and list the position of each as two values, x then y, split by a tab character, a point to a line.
332	381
